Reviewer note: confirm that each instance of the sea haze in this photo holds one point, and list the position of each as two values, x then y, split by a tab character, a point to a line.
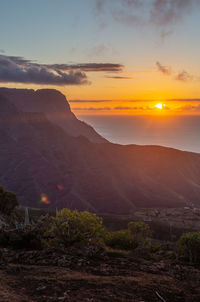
180	132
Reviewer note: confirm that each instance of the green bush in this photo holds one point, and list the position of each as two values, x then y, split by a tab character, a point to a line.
122	240
74	227
189	246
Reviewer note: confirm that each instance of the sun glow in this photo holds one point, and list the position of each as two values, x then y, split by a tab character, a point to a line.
160	106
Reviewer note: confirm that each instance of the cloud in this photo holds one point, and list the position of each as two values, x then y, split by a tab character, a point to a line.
184	76
168	12
133	108
90	101
183	100
92	108
163	69
19	70
99	6
118	77
98	50
90	67
15	69
125	108
87	101
105	101
2	51
159	13
113	108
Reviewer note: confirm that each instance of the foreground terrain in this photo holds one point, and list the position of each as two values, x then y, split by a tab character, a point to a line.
81	275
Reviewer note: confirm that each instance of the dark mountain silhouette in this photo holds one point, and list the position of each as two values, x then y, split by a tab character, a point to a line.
40	159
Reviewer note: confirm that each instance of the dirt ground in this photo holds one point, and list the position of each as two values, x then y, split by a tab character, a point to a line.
57	276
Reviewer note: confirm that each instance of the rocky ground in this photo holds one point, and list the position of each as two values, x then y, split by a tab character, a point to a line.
83	275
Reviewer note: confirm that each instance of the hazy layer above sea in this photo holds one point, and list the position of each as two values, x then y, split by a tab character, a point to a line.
180	132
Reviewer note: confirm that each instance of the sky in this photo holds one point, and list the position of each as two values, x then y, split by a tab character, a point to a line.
106	56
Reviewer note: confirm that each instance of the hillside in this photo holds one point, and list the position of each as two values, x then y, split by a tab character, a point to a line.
39	158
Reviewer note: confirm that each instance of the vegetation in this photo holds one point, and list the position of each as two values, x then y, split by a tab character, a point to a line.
8	201
73	227
189	246
139	230
122	240
129	239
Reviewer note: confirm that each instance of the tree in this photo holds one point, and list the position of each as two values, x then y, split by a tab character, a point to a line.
139	230
189	246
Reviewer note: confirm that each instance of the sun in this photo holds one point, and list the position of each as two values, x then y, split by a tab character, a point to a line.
160	106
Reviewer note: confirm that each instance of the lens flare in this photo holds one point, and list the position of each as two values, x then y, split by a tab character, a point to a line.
45	199
60	187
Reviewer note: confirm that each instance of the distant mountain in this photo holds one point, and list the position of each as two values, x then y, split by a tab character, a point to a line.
47	166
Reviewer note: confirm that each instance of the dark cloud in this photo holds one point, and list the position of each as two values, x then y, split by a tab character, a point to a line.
163	69
19	70
184	76
90	67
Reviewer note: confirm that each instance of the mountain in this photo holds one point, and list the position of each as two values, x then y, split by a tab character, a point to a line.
55	107
48	166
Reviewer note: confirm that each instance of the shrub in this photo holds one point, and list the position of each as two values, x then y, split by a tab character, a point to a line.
74	227
122	240
136	234
151	246
189	246
140	230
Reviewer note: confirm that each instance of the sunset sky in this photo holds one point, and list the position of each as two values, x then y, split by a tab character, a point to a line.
106	56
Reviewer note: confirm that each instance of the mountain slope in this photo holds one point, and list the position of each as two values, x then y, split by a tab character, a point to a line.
38	158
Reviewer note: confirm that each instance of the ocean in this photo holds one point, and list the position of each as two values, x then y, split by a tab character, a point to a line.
180	132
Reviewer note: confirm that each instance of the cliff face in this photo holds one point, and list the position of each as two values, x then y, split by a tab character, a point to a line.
54	106
46	167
